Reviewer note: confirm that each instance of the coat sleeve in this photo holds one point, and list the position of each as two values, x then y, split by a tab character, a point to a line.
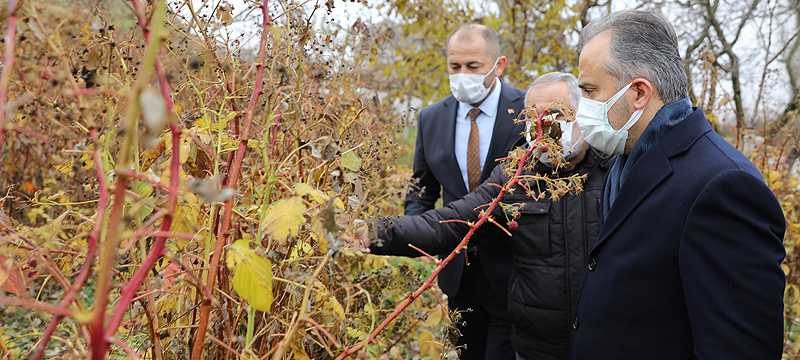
393	234
729	260
426	189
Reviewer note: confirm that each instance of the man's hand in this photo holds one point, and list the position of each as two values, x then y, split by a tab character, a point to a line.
361	235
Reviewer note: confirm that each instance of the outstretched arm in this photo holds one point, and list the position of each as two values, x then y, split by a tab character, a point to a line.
426	231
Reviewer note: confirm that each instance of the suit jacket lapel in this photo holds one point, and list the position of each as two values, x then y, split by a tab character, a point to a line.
648	172
505	132
652	169
454	180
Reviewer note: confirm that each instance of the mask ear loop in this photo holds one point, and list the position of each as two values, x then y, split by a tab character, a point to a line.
613	100
488	78
567	134
634	118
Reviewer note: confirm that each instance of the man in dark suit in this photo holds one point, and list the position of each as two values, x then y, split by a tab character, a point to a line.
458	140
687	265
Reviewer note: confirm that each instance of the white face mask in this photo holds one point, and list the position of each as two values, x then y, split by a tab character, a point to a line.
592	118
469	88
568	144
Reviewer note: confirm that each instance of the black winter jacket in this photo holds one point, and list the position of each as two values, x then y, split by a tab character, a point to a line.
549	251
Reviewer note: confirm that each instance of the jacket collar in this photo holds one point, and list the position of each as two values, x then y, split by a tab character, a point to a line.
653	168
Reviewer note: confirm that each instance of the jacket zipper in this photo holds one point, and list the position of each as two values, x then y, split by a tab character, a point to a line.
585	241
566	252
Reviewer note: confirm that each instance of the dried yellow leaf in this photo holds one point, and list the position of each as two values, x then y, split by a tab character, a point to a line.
283	218
351	161
252	275
303	189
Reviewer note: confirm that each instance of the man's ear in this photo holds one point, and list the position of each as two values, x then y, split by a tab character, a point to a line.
644	91
502	62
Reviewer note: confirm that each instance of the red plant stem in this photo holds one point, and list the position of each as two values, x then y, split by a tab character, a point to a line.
320	328
97	340
157	249
33	305
425	254
232	181
402	305
125	347
91	251
8	64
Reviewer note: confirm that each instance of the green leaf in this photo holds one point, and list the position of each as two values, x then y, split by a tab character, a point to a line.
142	188
283	218
252	275
351	161
145	206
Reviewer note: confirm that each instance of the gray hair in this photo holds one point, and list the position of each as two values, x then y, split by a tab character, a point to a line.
643	44
486	33
553	77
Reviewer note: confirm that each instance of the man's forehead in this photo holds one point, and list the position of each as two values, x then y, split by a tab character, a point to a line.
466	46
466	59
548	93
466	52
588	71
467	39
593	54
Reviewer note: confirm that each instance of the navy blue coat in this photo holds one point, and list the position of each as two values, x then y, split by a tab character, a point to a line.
437	174
687	265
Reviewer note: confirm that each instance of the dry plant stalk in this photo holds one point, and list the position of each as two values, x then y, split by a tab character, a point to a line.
232	182
10	40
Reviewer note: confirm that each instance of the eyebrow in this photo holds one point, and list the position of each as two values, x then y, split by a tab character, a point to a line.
469	63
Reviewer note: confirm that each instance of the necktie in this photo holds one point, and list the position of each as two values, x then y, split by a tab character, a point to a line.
473	150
